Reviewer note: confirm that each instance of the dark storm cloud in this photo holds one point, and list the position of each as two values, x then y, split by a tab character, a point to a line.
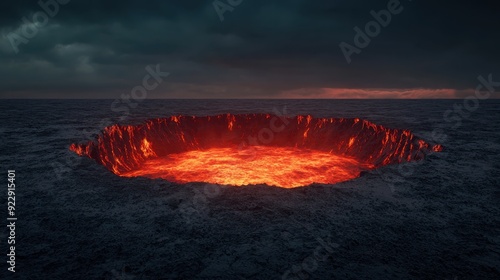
261	49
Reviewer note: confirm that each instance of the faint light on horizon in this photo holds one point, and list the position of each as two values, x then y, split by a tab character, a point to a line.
351	93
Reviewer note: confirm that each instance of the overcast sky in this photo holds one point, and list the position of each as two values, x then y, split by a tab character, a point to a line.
261	49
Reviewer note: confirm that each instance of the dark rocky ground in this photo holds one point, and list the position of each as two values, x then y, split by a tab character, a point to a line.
438	219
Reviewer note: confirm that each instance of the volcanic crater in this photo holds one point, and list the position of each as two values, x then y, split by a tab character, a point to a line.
251	149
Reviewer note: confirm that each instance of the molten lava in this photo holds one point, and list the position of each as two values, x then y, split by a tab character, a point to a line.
278	166
252	149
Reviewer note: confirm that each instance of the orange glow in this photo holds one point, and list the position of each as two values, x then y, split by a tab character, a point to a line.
353	93
274	166
146	148
280	151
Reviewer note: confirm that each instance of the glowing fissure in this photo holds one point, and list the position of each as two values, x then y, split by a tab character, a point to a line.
295	152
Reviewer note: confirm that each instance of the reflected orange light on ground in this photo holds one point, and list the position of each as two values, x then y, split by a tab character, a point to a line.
274	166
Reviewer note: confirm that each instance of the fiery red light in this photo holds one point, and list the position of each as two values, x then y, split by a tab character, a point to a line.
252	149
279	166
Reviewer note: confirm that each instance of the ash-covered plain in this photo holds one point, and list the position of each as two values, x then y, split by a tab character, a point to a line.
433	219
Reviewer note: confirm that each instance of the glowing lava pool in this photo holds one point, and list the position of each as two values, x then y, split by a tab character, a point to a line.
274	166
252	149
